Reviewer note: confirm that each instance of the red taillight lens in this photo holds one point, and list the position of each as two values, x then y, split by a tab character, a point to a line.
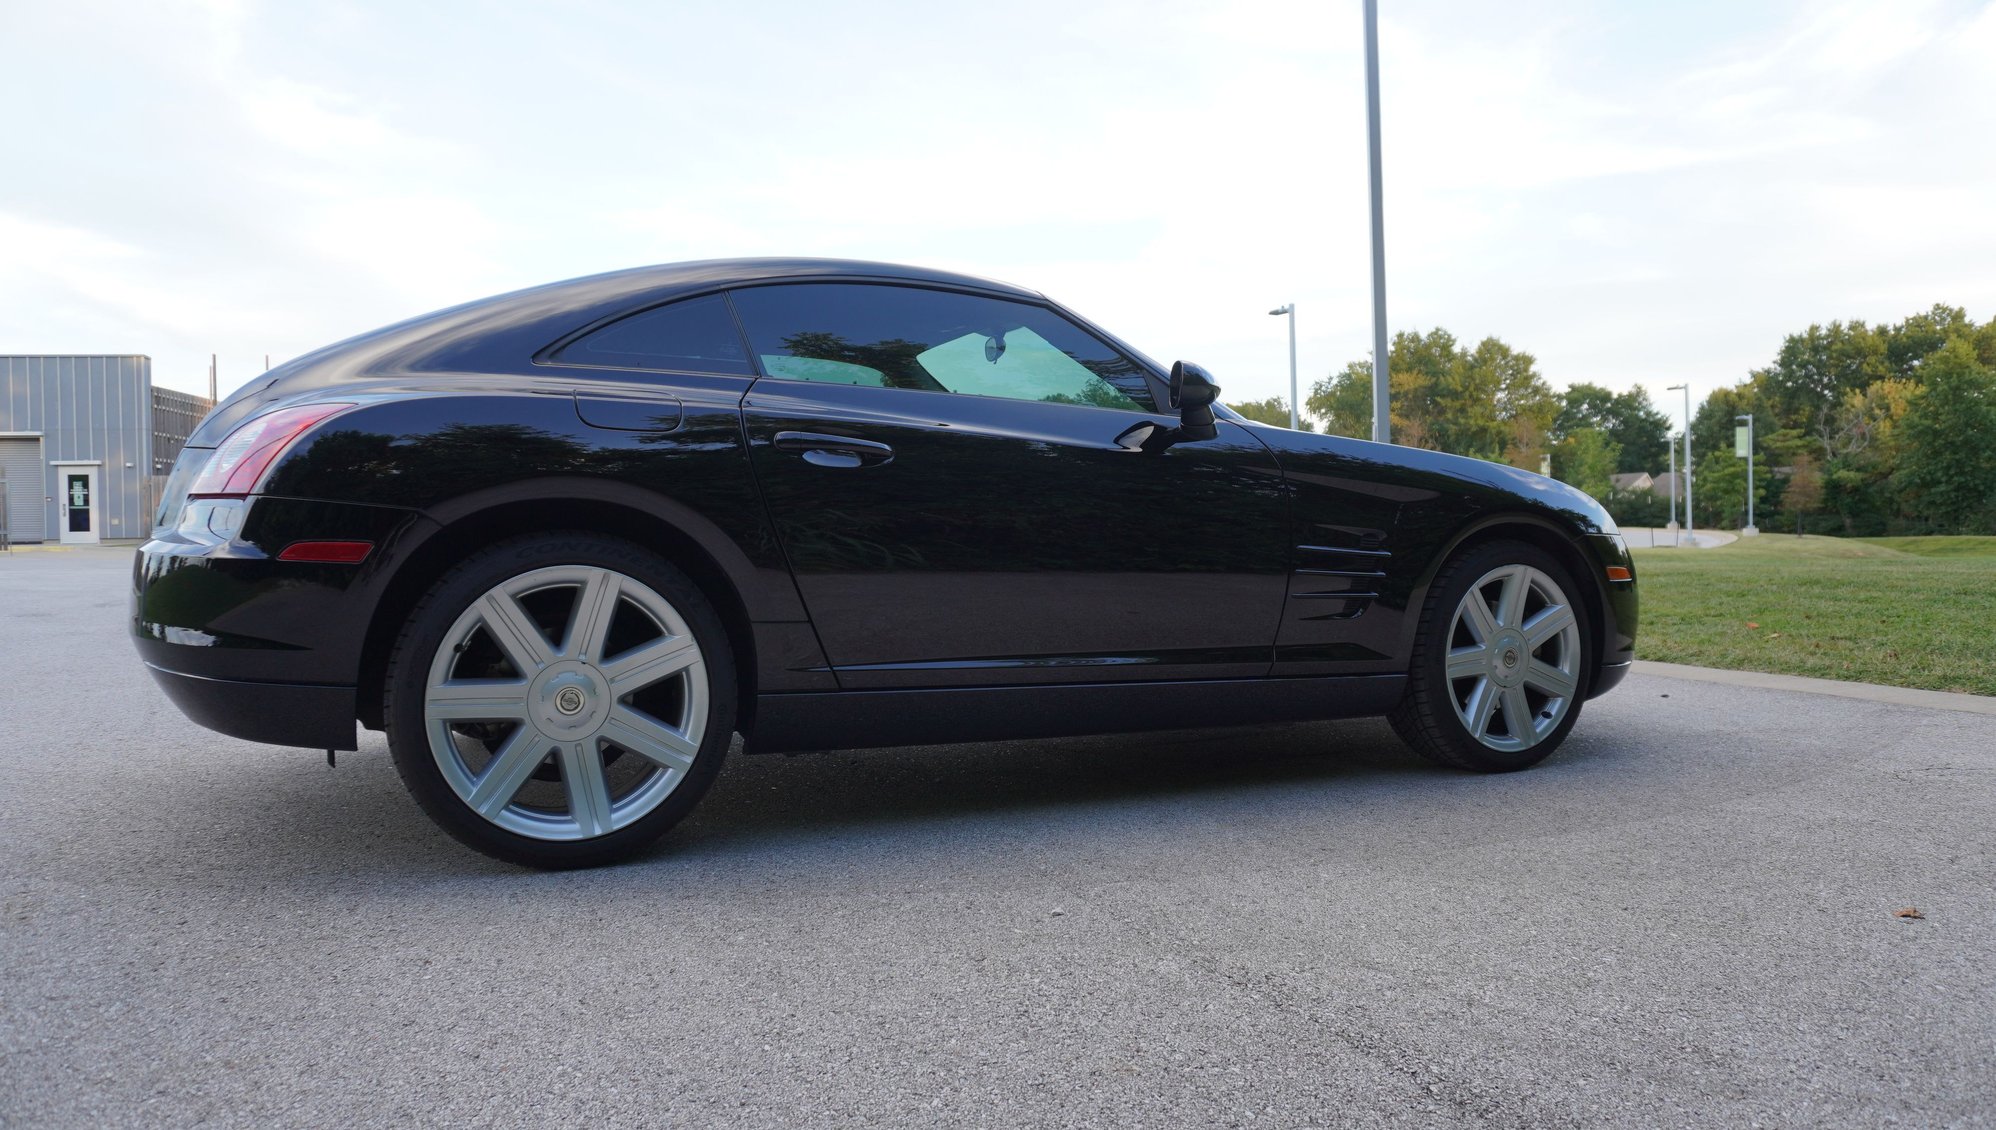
234	468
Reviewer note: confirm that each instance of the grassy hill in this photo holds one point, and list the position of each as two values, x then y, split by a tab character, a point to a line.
1909	612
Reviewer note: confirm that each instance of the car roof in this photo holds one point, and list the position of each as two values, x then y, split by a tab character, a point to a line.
519	323
700	273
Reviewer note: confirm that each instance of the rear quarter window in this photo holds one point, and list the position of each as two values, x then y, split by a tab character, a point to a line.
697	335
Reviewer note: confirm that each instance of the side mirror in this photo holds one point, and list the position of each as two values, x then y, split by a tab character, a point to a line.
1193	392
1192	395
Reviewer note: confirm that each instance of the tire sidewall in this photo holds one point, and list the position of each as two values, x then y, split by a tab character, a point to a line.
408	675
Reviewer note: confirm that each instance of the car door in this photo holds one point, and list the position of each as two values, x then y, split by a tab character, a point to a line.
944	473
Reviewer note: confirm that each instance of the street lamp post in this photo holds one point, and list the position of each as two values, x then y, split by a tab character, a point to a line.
1672	448
1289	308
1381	418
1751	529
1688	523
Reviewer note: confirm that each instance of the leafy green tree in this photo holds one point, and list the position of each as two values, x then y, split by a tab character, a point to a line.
1719	478
1274	410
1637	507
1641	433
1911	342
1803	493
1948	469
1585	458
1720	488
1818	367
1985	344
1849	389
1488	402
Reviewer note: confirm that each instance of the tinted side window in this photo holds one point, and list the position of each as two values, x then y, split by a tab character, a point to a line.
697	335
907	337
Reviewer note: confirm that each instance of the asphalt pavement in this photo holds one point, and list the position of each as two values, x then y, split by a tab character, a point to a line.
1687	917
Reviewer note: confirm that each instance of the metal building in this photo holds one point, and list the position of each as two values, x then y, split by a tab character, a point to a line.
76	437
175	415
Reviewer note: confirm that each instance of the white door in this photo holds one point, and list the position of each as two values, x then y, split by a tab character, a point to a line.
77	507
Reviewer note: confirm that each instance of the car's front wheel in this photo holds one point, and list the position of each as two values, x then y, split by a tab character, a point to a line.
560	700
1501	661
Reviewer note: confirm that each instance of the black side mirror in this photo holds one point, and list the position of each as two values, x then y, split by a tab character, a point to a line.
1192	395
1193	392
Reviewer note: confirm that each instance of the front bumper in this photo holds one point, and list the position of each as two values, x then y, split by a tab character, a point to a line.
1620	610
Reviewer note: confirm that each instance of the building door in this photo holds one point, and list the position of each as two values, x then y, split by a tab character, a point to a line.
78	504
26	476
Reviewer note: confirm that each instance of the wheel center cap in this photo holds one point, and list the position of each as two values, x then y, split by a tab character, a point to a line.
570	701
1508	653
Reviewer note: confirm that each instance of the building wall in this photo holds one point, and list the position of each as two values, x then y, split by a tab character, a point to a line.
86	408
175	415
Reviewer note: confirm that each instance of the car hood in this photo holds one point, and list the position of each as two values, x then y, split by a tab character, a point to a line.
1413	475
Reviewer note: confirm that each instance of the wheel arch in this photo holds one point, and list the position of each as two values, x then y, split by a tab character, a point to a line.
1540	533
469	524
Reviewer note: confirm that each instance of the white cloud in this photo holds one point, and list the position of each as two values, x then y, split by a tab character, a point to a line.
1631	193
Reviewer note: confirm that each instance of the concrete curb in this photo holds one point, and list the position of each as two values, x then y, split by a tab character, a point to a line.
1870	692
125	545
1647	537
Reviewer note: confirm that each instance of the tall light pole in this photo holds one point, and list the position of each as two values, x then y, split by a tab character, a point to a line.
1381	419
1672	448
1751	529
1687	455
1289	308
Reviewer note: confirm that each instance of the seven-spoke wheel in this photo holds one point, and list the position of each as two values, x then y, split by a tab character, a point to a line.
1500	661
569	708
1514	658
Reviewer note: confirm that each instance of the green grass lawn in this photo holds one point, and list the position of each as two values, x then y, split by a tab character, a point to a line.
1910	612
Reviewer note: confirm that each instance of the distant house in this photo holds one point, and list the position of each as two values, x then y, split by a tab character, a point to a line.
1657	484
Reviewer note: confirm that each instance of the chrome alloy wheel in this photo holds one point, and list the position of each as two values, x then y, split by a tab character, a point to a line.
1513	664
566	702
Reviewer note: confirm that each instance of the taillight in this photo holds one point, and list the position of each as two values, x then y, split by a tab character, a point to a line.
241	459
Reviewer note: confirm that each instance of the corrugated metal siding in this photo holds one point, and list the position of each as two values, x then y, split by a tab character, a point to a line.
87	408
22	469
175	415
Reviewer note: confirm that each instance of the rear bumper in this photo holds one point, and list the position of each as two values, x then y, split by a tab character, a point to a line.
254	646
320	717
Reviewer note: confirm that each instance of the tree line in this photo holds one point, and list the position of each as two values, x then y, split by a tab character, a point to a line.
1859	429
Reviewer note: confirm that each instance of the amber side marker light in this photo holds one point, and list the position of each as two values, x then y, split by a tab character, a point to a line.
328	552
1615	573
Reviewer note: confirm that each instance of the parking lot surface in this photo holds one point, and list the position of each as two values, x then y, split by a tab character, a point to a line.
1686	917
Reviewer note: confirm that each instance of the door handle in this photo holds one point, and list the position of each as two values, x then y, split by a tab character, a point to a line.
834	451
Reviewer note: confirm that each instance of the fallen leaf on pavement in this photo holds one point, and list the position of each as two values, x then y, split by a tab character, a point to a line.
1910	912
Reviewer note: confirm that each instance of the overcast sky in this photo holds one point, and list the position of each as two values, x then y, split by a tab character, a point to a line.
1632	192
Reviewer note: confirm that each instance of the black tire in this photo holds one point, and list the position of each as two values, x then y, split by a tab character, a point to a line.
409	671
1427	719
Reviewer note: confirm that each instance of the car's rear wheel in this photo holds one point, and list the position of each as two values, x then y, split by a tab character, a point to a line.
560	700
1501	661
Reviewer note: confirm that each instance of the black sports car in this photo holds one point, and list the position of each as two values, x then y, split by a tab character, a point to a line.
563	544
